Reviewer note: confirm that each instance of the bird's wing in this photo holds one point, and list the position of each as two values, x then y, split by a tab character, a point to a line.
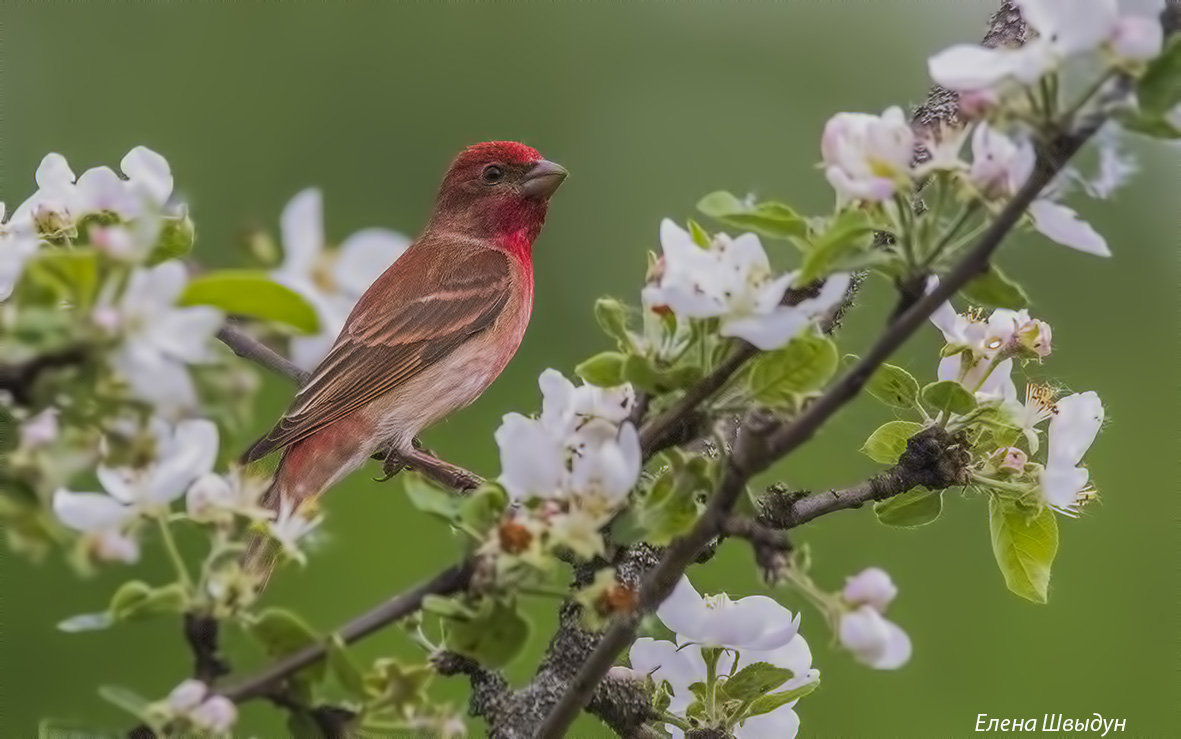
422	308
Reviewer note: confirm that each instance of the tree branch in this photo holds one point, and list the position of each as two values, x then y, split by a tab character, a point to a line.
451	580
19	379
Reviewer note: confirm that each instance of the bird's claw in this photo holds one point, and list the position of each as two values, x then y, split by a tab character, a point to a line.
391	465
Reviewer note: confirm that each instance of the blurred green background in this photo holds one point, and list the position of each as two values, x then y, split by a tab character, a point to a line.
649	106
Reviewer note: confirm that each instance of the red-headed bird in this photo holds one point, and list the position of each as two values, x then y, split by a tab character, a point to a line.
430	334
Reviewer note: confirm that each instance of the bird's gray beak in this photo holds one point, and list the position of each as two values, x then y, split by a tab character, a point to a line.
543	179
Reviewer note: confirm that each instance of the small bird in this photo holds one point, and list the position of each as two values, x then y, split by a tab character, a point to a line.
429	335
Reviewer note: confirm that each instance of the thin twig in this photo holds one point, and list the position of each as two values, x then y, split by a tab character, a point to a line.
451	580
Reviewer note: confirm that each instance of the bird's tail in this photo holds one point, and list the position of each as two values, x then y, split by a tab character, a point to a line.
263	552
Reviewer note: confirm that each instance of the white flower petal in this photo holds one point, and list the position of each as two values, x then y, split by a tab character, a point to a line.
54	173
871	586
782	723
364	256
1063	225
90	512
1074	428
149	175
301	227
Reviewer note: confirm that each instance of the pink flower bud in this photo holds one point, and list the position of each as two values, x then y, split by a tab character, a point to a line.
187	696
1137	38
217	714
872	586
1012	459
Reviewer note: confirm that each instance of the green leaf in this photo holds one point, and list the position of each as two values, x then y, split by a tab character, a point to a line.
774	220
71	273
282	632
700	236
431	499
86	622
1159	89
495	635
893	386
482	509
917	507
846	233
397	686
56	728
604	370
129	597
611	315
805	364
888	442
251	293
343	667
948	396
755	680
1024	544
768	703
137	599
128	700
176	240
993	288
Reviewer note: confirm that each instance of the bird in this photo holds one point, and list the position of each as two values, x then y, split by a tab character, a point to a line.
427	338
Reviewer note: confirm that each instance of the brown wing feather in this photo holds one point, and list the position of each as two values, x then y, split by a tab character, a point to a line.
421	309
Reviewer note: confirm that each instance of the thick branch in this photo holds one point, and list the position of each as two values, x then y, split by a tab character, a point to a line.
20	379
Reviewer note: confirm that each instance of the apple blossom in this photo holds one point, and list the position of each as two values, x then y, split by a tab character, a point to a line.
1038	406
1012	459
1062	483
332	281
732	281
1065	28
159	338
871	586
18	242
865	156
580	447
182	453
873	639
217	714
217	498
683	665
754	622
187	695
290	525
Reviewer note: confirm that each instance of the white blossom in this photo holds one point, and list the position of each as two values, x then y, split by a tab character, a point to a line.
580	447
732	281
290	525
681	664
986	381
1028	415
1062	483
18	242
755	622
216	498
186	696
331	280
872	586
192	701
873	639
866	156
1064	28
181	454
160	338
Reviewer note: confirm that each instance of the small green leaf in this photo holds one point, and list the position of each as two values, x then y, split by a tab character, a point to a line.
176	240
993	288
638	370
755	680
917	507
128	598
848	231
604	369
493	637
948	396
700	236
774	220
396	685
888	442
71	273
282	632
428	498
768	703
804	365
1024	544
1159	89
86	622
343	667
482	509
251	293
611	315
893	386
128	700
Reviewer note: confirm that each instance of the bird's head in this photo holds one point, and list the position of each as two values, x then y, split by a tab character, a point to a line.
498	190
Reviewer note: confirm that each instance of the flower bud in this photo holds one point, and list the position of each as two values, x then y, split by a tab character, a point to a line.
872	586
619	672
514	537
977	103
1035	336
1137	38
115	241
187	696
873	640
113	546
217	714
1011	459
41	429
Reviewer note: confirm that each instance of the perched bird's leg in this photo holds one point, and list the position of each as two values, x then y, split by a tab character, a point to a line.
392	462
437	469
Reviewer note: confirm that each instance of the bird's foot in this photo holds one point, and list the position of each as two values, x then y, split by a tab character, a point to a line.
392	463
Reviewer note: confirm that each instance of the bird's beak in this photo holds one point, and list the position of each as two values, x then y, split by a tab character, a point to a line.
543	179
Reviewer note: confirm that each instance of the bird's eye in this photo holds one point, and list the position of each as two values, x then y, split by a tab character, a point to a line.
492	174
